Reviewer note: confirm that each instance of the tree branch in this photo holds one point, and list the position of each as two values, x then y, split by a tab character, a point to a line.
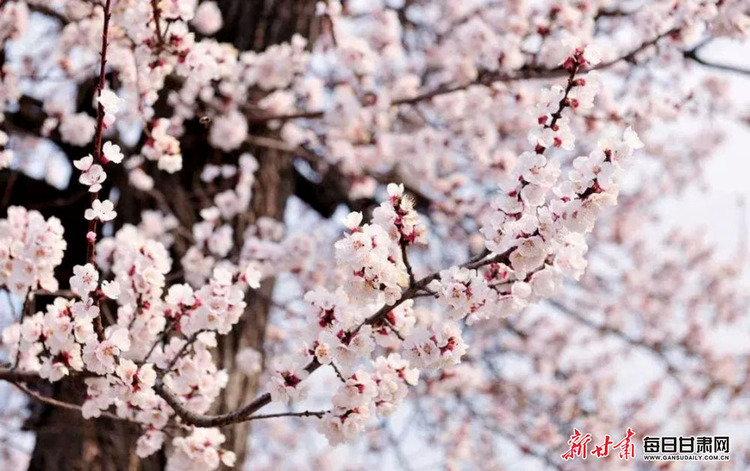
199	420
484	78
49	12
61	404
307	413
9	374
93	224
692	54
243	414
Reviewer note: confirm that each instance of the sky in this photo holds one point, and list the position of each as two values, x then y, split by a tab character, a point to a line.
727	175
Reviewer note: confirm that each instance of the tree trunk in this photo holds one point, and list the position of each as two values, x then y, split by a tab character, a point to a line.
256	24
269	198
66	442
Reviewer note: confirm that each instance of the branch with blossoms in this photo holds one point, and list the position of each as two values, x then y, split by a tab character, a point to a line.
397	225
519	272
484	78
100	211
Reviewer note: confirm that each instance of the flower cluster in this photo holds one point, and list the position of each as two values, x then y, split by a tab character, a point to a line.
220	303
193	378
392	375
373	252
438	347
399	217
30	249
373	259
352	406
464	293
163	147
200	450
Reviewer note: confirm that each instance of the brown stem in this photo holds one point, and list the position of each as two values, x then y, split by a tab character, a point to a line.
692	54
157	22
61	404
239	415
93	224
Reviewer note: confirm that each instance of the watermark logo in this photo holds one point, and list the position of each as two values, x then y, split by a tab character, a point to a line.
579	446
691	448
667	448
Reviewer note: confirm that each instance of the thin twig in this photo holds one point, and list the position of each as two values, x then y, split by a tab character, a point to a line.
184	348
338	372
157	22
93	224
409	269
692	54
61	404
307	413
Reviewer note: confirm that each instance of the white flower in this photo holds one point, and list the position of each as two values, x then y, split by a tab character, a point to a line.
547	281
84	163
100	357
631	139
287	384
149	443
207	19
249	361
163	148
170	163
353	220
84	309
112	153
111	103
420	349
93	176
85	279
77	129
592	54
228	131
6	157
252	275
102	210
111	289
323	353
229	458
180	295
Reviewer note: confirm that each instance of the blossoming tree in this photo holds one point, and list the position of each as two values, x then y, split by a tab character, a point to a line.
338	219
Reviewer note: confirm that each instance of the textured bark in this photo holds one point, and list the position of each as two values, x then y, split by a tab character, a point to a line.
272	189
256	24
66	442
